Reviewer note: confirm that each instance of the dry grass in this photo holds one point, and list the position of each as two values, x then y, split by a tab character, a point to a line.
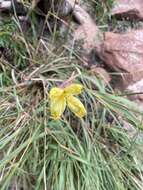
70	154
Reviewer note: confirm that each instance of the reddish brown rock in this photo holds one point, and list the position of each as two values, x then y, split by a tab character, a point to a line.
136	90
131	9
124	53
87	35
87	30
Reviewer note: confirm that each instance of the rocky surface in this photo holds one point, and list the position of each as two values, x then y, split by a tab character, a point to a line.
124	54
129	9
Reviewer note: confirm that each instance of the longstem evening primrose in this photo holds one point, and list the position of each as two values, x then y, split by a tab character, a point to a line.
62	97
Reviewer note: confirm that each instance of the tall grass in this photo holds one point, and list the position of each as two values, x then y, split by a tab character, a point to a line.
94	153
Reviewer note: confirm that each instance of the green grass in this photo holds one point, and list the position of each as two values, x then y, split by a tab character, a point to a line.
100	11
36	152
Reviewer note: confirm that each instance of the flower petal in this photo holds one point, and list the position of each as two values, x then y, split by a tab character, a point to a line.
76	106
73	89
57	107
55	92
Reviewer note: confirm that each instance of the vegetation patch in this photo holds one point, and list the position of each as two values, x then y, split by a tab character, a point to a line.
38	152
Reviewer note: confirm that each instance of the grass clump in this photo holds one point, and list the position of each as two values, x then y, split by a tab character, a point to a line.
12	44
38	152
94	153
100	11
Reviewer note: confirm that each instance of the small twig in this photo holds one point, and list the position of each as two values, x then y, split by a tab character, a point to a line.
2	61
33	73
68	81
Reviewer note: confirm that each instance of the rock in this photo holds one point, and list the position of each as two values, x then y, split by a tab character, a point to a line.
124	54
9	6
87	30
5	4
42	7
130	9
137	89
87	34
60	8
102	74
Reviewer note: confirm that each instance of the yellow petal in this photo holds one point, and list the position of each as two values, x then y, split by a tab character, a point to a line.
55	92
76	106
73	89
57	106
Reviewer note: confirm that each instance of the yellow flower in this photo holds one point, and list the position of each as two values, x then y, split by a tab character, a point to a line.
59	98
